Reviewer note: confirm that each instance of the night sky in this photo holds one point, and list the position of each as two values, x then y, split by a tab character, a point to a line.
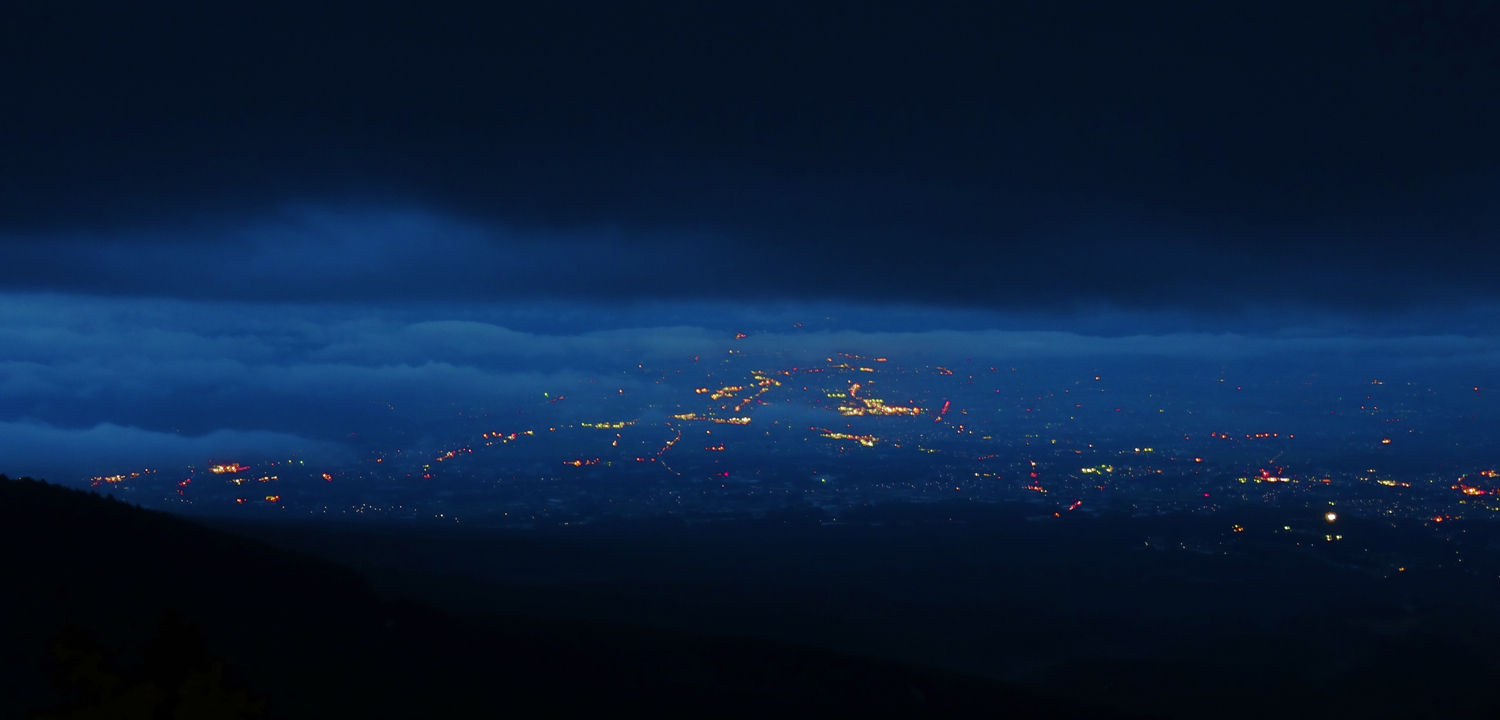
225	229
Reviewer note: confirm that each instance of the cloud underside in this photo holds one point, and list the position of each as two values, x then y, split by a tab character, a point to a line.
313	253
1181	156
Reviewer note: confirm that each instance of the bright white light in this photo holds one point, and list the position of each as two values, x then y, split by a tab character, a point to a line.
1330	516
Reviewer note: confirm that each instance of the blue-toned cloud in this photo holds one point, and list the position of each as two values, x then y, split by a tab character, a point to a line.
402	254
64	453
201	378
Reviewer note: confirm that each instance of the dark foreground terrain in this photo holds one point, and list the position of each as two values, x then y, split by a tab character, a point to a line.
1177	616
121	612
899	609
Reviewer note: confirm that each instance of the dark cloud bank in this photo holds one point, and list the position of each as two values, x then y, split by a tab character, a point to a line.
1048	155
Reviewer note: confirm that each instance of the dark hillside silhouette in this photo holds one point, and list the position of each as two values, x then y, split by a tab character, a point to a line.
124	612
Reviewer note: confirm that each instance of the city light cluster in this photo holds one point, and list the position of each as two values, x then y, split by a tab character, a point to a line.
865	440
695	417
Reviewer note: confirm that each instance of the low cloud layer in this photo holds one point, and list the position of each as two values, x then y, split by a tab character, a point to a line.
92	385
67	453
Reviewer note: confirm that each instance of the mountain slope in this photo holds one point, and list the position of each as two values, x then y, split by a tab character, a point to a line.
122	609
